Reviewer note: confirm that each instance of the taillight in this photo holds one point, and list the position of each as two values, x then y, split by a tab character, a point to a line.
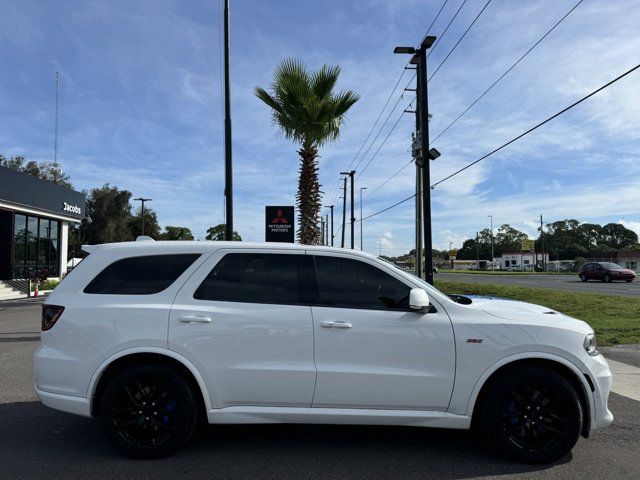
50	315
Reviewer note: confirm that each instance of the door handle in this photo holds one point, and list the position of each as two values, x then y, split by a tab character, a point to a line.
331	324
195	319
342	325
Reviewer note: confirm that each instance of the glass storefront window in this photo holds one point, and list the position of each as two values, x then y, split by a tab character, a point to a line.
36	246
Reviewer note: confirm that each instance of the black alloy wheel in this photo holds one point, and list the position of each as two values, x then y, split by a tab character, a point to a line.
148	412
533	414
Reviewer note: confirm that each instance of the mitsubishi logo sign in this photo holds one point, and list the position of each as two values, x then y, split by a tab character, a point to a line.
279	224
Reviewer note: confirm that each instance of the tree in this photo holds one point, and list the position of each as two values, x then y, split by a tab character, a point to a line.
218	233
508	239
176	233
50	171
151	227
306	110
108	216
617	236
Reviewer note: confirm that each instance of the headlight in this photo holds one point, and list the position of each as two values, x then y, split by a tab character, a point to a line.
590	344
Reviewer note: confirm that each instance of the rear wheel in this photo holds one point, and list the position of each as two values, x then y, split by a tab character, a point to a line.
148	411
606	278
583	277
533	414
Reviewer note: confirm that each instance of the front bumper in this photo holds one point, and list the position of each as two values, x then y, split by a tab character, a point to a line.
601	416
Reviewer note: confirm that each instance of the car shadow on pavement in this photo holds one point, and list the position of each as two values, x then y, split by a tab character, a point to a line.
36	439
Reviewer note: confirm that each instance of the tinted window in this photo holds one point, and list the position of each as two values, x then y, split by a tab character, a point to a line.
140	275
344	282
256	278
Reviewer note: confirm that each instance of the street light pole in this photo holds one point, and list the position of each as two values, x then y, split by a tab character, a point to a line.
492	260
344	209
331	208
228	164
361	221
353	218
420	60
142	200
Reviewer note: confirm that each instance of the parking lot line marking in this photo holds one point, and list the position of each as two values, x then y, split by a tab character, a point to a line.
626	379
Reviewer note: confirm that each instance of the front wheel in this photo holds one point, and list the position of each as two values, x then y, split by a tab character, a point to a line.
629	280
533	414
148	411
606	278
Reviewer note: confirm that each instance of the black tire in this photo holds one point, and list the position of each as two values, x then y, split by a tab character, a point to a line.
583	277
629	280
509	426
148	411
606	278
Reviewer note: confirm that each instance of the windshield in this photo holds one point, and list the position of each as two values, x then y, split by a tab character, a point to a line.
611	266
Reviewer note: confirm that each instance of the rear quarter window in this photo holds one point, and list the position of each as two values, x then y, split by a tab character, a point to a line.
143	275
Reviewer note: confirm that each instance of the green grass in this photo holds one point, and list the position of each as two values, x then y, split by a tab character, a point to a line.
614	318
504	272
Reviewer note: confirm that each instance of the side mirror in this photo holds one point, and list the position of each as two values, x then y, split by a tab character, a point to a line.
418	299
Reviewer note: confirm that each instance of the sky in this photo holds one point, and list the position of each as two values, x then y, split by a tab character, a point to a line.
141	107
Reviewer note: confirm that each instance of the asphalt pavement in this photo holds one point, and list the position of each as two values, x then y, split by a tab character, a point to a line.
37	442
569	283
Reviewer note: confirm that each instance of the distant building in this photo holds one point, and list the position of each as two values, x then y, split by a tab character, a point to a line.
625	258
34	224
520	260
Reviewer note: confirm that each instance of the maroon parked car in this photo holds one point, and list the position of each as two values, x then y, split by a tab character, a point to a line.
605	272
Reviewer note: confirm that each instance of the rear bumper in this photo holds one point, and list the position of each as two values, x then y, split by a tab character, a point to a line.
65	403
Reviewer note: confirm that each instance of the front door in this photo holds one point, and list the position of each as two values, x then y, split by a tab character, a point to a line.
371	350
244	320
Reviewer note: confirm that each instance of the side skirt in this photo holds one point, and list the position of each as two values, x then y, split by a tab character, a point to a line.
338	416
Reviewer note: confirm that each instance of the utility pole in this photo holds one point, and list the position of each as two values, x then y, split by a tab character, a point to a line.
353	218
326	229
228	164
491	217
344	209
331	208
477	252
142	200
544	263
55	123
321	230
361	221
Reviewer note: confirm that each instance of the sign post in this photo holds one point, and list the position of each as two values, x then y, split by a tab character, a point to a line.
279	224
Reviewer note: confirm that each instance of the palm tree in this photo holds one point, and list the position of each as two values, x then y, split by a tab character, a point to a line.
306	110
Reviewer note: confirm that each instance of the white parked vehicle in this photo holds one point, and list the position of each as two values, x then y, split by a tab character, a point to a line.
153	337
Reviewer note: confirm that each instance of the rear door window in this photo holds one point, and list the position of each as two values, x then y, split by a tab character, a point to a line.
142	275
257	278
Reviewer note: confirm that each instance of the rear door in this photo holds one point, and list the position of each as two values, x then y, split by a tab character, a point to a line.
371	350
244	320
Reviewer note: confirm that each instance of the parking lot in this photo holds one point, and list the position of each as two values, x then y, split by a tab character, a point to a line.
568	283
38	442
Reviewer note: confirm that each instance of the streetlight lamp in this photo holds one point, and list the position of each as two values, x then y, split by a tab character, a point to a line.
142	200
420	60
492	261
361	221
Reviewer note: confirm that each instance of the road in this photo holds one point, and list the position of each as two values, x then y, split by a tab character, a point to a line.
569	283
37	442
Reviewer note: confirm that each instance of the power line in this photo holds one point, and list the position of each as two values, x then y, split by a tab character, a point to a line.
385	140
387	103
460	39
384	124
447	27
507	71
388	179
564	110
389	208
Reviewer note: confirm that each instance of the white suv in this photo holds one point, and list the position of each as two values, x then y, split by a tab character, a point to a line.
153	337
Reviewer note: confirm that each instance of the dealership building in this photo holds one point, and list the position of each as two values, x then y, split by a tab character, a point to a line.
35	216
